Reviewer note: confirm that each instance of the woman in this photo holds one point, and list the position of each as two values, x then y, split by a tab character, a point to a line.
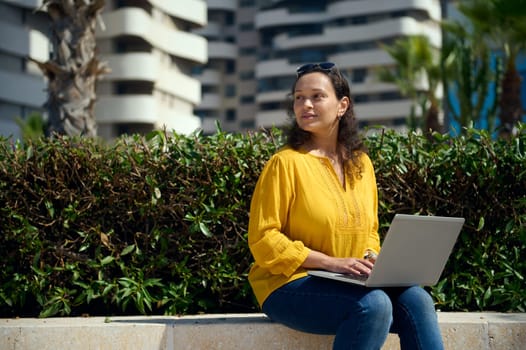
315	207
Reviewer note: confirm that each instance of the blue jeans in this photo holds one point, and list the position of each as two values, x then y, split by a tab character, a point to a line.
361	318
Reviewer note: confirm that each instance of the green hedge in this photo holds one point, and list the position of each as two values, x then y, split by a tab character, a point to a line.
473	177
157	225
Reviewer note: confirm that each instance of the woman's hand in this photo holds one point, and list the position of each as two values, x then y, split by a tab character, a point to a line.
317	260
351	265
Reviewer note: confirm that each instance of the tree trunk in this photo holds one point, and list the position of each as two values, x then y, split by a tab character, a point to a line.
432	122
73	70
510	100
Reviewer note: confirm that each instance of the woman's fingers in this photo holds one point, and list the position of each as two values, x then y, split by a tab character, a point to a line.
361	266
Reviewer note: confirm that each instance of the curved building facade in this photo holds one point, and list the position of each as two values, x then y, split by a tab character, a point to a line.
149	47
346	32
151	51
185	65
23	34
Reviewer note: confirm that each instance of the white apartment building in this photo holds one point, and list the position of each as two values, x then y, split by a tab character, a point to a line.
346	32
23	34
185	64
228	79
151	51
148	46
255	47
217	77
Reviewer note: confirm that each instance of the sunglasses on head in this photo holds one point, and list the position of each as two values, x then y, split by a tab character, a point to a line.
309	67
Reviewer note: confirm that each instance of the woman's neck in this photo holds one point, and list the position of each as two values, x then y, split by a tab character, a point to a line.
323	147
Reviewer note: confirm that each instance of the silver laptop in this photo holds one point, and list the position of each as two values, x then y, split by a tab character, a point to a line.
414	252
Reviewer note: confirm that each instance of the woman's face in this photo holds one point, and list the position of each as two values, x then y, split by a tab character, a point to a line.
316	106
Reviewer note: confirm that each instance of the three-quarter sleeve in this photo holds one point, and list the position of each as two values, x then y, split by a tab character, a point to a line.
271	248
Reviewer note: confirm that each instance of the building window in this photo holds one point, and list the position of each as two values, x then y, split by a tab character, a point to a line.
231	115
246	27
209	89
131	44
399	121
247	99
390	96
307	6
247	51
133	87
197	70
307	55
271	106
359	20
230	90
247	75
275	84
230	67
359	75
247	124
229	19
11	63
247	3
310	29
361	98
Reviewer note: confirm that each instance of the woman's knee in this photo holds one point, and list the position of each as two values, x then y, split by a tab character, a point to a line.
416	297
377	303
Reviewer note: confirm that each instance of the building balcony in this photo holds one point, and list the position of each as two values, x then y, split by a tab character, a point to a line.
282	16
269	119
222	50
209	77
222	5
359	59
145	109
279	17
273	68
30	4
210	101
216	31
212	30
146	67
127	109
137	22
364	7
23	89
132	66
194	11
382	110
273	96
22	42
363	33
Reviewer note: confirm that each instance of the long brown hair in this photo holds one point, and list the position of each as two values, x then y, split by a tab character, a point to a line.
350	143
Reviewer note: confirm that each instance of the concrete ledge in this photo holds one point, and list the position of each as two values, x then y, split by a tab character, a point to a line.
486	331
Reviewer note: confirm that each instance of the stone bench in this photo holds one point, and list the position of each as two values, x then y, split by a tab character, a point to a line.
491	331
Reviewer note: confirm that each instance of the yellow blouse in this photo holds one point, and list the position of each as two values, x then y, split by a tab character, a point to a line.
298	205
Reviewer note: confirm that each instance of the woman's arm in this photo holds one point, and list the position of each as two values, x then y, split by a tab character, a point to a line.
318	260
272	197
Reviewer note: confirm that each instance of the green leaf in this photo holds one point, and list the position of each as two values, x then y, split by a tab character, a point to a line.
128	249
204	229
481	223
107	260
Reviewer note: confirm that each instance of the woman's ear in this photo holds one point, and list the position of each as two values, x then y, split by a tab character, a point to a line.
343	105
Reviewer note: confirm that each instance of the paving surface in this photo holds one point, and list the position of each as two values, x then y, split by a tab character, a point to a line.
486	331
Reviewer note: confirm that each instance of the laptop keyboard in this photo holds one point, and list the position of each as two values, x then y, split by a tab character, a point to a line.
354	277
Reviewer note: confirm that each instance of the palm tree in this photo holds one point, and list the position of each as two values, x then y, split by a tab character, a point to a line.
467	74
73	69
503	22
416	63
